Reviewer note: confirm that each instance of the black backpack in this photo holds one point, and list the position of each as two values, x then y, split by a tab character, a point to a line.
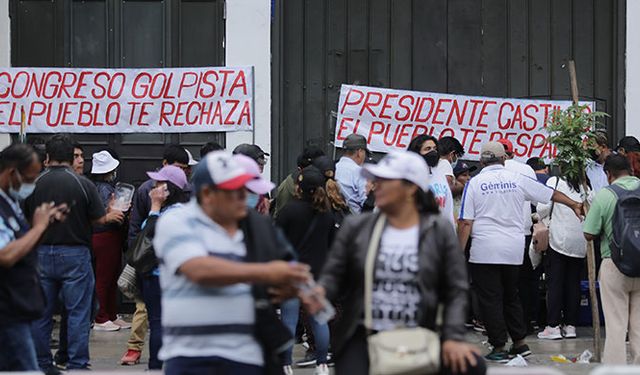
625	242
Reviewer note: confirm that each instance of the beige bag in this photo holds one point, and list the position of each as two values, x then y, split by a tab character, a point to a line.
403	351
540	235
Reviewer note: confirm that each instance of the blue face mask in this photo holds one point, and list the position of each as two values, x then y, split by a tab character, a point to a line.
252	200
453	165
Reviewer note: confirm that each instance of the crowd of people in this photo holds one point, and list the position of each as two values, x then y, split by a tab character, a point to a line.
230	271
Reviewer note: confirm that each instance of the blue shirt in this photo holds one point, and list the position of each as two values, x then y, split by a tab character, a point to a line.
597	176
352	183
7	234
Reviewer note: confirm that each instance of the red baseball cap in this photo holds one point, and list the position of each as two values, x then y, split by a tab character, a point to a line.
507	144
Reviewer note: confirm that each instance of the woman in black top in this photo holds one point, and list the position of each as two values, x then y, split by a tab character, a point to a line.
339	205
308	224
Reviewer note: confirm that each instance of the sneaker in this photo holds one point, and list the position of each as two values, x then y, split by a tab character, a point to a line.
122	324
308	361
321	369
131	357
522	350
550	333
497	356
569	332
60	359
107	326
287	370
53	370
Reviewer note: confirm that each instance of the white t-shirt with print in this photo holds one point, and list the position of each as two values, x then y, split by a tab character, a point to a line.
445	168
525	170
442	192
493	200
396	296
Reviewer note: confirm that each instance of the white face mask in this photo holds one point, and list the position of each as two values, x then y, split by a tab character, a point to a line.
25	190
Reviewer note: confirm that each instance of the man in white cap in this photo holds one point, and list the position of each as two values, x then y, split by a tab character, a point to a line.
192	163
217	259
491	213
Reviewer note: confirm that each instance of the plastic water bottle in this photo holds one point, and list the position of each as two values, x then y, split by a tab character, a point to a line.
327	312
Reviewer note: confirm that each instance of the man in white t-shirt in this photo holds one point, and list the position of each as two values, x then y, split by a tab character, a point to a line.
491	214
450	150
528	283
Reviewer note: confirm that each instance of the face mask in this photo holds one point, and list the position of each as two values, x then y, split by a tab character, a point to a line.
431	158
24	191
594	155
453	164
252	200
114	176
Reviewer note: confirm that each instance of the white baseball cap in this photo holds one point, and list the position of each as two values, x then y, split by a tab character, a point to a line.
192	161
102	162
400	165
218	168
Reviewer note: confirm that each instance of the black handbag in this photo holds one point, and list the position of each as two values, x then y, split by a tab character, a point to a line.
142	256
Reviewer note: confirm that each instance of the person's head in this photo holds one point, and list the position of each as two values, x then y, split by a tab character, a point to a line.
209	147
19	168
311	188
538	165
508	147
104	166
628	144
462	172
602	150
176	156
219	182
492	153
190	164
450	149
254	152
327	167
39	146
60	150
257	186
175	180
355	148
309	154
402	182
78	158
427	146
616	166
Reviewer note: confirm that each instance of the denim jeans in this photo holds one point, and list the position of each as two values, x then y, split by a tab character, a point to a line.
290	311
151	294
65	269
18	352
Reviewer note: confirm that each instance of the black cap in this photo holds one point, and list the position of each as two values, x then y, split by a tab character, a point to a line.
326	165
536	163
252	151
355	142
462	167
629	143
310	179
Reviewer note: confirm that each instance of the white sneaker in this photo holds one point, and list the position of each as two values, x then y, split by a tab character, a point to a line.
569	332
108	326
288	370
321	369
550	333
122	324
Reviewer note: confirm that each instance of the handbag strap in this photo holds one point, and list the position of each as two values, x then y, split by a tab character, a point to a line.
372	254
553	202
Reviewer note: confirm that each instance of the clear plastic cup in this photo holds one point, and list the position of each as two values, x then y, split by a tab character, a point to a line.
123	197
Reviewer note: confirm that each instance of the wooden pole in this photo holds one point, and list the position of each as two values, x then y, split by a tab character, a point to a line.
591	258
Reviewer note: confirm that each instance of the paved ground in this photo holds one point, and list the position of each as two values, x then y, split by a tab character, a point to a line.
108	347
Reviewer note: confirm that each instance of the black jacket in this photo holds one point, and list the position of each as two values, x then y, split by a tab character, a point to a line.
442	276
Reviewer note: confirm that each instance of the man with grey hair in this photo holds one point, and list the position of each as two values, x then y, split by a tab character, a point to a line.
491	213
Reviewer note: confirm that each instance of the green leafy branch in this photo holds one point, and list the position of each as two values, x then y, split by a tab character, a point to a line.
572	131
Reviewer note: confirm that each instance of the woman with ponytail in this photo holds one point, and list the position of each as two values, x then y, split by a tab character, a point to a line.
308	223
339	205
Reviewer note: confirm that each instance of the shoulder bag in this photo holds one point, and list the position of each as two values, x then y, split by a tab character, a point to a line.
402	351
540	236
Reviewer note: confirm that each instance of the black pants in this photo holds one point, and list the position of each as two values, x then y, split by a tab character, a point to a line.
528	287
497	289
563	287
353	359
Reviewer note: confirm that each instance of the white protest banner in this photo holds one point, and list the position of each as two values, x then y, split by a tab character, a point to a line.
389	119
176	100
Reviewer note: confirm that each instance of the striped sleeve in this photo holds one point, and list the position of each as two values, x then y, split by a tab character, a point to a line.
175	243
6	234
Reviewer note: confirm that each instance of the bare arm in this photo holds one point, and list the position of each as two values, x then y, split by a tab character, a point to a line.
464	232
215	271
589	237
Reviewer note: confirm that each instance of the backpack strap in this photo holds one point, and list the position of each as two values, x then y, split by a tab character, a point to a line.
622	193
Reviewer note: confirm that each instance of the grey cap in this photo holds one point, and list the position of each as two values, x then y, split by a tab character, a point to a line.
355	142
492	151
